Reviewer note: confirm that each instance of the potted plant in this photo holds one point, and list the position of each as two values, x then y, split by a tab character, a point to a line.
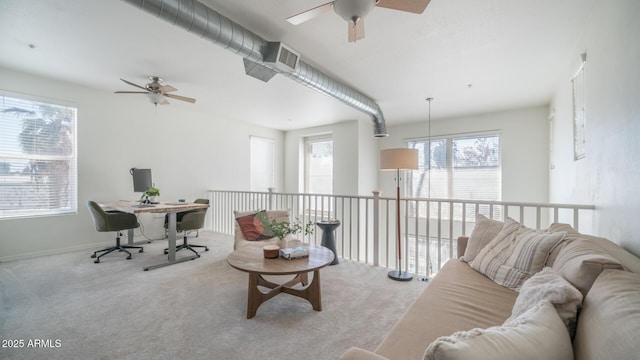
281	229
152	194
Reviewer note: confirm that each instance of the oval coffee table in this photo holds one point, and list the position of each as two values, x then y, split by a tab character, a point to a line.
251	259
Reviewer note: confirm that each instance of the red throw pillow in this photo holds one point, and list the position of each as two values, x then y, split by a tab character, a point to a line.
253	226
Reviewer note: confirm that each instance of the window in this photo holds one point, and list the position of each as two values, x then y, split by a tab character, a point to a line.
262	166
318	165
462	168
38	163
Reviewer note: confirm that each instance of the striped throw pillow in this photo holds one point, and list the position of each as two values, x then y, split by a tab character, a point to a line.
516	254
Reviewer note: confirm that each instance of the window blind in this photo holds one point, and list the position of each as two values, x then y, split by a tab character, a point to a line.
462	168
38	160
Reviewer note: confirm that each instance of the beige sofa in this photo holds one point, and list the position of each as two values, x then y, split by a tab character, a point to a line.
460	298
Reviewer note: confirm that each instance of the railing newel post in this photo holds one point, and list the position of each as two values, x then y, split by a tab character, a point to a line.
376	226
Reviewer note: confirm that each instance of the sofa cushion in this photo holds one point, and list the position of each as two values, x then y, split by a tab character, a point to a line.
483	232
609	322
549	286
536	334
628	260
254	226
458	298
515	255
581	261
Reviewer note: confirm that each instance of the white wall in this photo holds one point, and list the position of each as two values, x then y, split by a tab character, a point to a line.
608	176
188	152
524	148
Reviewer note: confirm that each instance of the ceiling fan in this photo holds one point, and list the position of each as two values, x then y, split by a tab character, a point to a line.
354	11
156	92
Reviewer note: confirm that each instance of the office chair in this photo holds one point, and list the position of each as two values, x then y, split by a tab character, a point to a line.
112	221
189	220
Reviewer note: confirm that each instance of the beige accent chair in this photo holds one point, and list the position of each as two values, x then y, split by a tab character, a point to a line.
239	240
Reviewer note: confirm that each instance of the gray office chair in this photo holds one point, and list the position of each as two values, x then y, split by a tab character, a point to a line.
187	221
112	221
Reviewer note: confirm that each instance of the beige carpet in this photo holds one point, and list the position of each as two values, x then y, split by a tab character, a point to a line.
192	310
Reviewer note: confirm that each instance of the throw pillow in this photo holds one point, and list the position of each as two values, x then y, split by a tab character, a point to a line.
547	285
483	232
581	261
253	226
512	259
537	334
609	322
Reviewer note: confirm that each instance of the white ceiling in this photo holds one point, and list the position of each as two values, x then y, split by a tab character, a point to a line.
472	56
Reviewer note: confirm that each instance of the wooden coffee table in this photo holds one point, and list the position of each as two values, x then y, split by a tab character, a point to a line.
251	259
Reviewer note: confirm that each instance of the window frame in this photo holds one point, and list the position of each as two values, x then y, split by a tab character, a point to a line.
71	207
307	141
450	168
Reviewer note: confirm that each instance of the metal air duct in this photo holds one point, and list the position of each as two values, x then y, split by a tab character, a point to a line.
205	22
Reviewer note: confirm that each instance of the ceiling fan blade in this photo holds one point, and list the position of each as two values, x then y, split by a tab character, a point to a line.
356	29
167	88
130	92
164	102
412	6
132	84
310	14
183	98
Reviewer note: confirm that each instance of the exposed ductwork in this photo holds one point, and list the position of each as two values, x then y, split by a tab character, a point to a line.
205	22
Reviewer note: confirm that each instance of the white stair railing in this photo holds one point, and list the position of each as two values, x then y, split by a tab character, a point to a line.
430	227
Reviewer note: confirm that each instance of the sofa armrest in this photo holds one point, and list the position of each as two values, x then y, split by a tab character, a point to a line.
355	353
462	245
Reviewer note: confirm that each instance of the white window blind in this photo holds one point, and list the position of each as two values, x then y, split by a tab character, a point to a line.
38	161
319	165
459	167
262	172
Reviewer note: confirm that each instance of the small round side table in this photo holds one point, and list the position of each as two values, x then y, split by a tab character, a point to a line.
328	238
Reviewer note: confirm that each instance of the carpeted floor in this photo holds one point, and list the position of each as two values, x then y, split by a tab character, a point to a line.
192	310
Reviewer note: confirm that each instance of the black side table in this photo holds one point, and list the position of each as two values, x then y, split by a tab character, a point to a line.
328	238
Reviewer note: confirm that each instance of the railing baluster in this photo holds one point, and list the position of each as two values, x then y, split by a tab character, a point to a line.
354	239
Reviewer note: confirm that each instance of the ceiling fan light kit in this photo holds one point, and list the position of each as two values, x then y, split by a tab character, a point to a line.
156	92
354	12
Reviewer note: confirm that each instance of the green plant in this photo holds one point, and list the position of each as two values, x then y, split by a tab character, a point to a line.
281	229
152	191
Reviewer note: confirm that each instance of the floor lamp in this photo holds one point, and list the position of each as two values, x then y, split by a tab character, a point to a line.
399	159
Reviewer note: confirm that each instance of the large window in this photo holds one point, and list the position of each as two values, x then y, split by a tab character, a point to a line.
38	174
461	167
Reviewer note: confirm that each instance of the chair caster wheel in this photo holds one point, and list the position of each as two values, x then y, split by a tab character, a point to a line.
166	252
97	261
206	249
128	257
93	256
141	250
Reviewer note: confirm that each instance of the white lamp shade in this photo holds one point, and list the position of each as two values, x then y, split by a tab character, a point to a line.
399	159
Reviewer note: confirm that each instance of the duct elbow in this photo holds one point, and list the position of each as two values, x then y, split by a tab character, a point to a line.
379	127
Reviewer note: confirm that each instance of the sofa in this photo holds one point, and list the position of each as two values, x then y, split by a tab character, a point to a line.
517	293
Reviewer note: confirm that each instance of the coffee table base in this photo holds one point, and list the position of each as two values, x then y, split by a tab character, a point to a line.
256	297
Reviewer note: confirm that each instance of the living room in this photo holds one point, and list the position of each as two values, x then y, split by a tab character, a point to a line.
192	151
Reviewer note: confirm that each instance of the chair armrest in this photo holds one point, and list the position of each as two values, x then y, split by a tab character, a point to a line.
462	245
355	353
